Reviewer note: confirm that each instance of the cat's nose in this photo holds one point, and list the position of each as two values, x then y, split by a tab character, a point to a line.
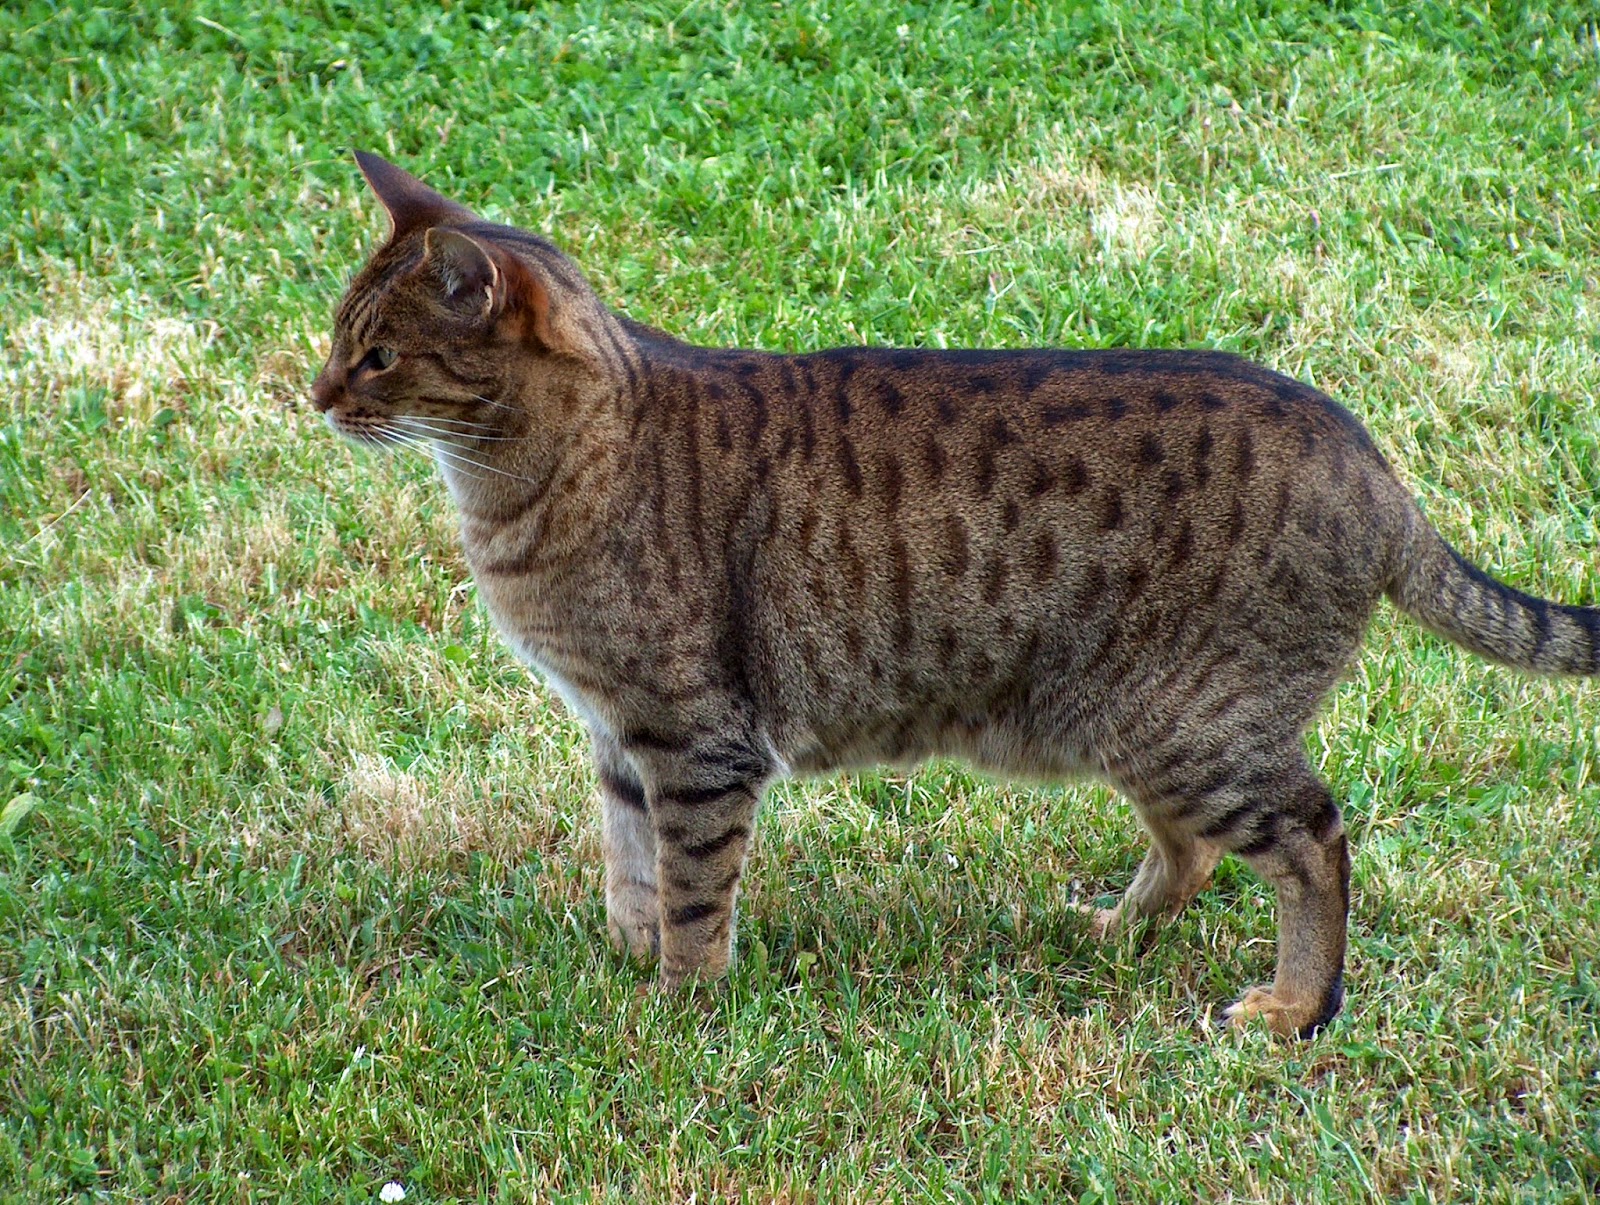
323	391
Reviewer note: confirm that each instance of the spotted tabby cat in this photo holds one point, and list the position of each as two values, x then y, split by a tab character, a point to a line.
1145	566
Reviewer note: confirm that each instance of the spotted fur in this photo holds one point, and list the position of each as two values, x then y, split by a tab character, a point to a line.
1144	566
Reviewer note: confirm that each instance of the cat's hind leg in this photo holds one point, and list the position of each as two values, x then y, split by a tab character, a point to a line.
1247	791
1179	862
1275	813
1297	843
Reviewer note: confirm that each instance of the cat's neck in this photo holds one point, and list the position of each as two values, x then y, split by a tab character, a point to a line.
540	477
487	483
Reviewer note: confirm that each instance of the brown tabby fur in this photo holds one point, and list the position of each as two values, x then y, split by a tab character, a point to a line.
1146	566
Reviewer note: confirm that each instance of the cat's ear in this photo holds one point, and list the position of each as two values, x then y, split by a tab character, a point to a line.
409	202
466	269
487	285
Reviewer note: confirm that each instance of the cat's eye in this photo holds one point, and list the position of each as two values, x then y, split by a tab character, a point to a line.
378	359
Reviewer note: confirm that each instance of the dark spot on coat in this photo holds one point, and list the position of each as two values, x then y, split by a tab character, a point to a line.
956	556
1244	459
1074	475
1111	509
852	470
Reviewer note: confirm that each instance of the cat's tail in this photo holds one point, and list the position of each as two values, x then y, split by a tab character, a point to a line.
1449	595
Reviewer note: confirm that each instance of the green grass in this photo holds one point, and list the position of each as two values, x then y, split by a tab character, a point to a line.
309	899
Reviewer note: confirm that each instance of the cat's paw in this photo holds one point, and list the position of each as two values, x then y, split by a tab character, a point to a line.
633	923
1287	1017
1257	1002
691	957
1105	924
705	981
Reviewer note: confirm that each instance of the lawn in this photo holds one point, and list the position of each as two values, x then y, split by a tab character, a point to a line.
299	869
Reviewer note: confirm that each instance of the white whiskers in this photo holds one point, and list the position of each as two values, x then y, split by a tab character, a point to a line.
432	426
457	422
415	432
435	435
448	458
489	401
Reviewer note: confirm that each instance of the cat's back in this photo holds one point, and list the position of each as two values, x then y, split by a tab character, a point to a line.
1087	440
821	405
912	529
1089	397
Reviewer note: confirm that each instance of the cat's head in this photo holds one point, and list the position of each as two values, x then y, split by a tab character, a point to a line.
455	326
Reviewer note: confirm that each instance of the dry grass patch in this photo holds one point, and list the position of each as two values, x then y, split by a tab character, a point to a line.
389	815
429	818
141	358
1128	224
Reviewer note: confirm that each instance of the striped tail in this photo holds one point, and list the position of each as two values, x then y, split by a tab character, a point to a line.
1449	595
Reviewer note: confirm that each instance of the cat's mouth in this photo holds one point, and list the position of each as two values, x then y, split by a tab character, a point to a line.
367	431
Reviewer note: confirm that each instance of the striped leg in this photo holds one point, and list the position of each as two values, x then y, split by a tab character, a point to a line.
629	841
1253	794
1265	804
702	795
702	837
1305	856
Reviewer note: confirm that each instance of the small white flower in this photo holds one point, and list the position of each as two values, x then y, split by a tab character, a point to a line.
902	32
392	1192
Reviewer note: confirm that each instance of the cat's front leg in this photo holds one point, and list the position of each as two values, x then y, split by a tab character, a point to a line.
702	799
633	906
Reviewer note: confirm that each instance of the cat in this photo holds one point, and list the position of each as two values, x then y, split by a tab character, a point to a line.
1147	567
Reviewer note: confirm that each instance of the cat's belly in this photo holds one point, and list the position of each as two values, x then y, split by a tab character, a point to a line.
1001	746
